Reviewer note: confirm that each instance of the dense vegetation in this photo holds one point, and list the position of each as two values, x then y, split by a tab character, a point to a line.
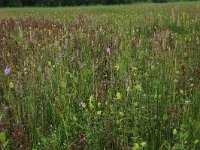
101	77
15	3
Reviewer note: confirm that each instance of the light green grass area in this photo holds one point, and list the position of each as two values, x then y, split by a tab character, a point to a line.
100	77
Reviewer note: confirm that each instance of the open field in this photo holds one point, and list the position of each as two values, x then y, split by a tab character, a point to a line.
102	77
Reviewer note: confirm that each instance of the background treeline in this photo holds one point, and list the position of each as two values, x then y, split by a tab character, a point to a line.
17	3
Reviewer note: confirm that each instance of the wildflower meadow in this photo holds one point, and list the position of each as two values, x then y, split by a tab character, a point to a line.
123	77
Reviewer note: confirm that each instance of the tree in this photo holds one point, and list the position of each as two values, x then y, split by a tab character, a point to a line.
10	3
29	2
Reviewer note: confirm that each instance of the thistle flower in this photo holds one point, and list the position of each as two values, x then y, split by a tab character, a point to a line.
7	70
108	50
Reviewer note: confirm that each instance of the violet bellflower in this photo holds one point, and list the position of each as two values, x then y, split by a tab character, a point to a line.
7	70
108	50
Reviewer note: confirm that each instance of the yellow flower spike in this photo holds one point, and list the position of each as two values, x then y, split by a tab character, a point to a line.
11	85
99	104
134	69
91	106
118	96
83	105
196	141
106	103
174	132
128	89
8	54
143	144
138	87
121	113
91	98
99	112
49	63
136	146
111	109
117	67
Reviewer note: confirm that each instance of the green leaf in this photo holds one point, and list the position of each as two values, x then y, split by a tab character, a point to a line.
2	137
5	144
165	117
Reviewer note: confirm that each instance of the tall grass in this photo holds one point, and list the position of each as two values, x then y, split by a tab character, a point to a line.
116	77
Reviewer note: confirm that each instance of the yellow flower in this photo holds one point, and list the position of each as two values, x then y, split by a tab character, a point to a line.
91	106
106	103
99	112
117	67
134	69
49	63
99	104
196	141
111	109
136	146
11	85
128	89
143	144
138	87
174	132
83	105
91	98
91	102
118	96
121	113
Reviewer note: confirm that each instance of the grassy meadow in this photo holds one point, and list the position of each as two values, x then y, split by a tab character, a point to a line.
100	77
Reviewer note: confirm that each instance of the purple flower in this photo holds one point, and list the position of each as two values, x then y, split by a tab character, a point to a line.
65	46
108	50
81	103
7	70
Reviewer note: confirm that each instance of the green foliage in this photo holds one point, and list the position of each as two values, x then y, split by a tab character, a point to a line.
3	141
